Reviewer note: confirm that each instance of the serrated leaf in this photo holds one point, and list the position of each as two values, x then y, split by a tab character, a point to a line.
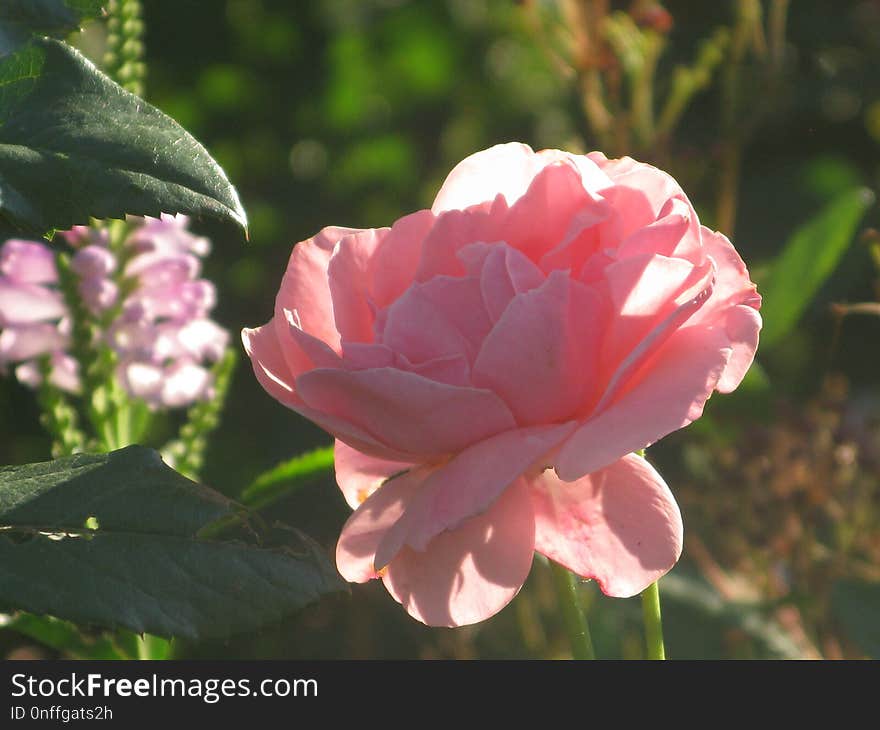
74	145
163	585
144	568
808	259
127	490
20	19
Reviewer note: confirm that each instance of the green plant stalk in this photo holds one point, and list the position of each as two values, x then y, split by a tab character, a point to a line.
643	88
733	133
651	613
573	615
123	61
187	452
653	622
687	81
58	416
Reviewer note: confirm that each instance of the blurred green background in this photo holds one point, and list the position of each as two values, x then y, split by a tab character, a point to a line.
351	112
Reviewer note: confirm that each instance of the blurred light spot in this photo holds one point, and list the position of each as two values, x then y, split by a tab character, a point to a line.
835	61
828	175
470	13
421	61
389	159
308	159
553	128
267	225
225	87
246	277
502	58
840	104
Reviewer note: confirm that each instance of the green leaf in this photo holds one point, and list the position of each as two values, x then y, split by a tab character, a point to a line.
129	490
62	636
808	259
856	605
113	540
74	145
287	477
20	19
696	615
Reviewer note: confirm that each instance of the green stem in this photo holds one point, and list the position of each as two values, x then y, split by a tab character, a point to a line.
653	621
123	61
572	613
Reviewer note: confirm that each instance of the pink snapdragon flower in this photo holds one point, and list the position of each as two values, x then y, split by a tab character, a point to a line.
161	331
33	318
488	366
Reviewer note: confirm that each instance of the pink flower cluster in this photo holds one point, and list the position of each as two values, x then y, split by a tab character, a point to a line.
158	310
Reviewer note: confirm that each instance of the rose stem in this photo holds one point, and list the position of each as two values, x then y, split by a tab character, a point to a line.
572	614
653	621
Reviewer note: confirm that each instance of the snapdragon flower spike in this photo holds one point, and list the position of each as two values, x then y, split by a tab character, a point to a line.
164	336
33	318
161	330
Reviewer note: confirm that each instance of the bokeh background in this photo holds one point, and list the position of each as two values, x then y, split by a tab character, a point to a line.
351	112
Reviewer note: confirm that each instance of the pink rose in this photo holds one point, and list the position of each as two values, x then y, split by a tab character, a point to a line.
503	354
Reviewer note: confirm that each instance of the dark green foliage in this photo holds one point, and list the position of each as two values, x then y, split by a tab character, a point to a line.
112	540
74	145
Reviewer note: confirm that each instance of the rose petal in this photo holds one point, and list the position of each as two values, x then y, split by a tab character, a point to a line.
661	330
542	354
365	528
504	272
732	283
305	288
742	325
669	235
309	351
441	318
505	169
271	371
592	228
349	278
397	257
620	525
644	291
541	217
668	393
407	412
267	360
639	193
455	229
468	485
470	574
508	169
359	475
